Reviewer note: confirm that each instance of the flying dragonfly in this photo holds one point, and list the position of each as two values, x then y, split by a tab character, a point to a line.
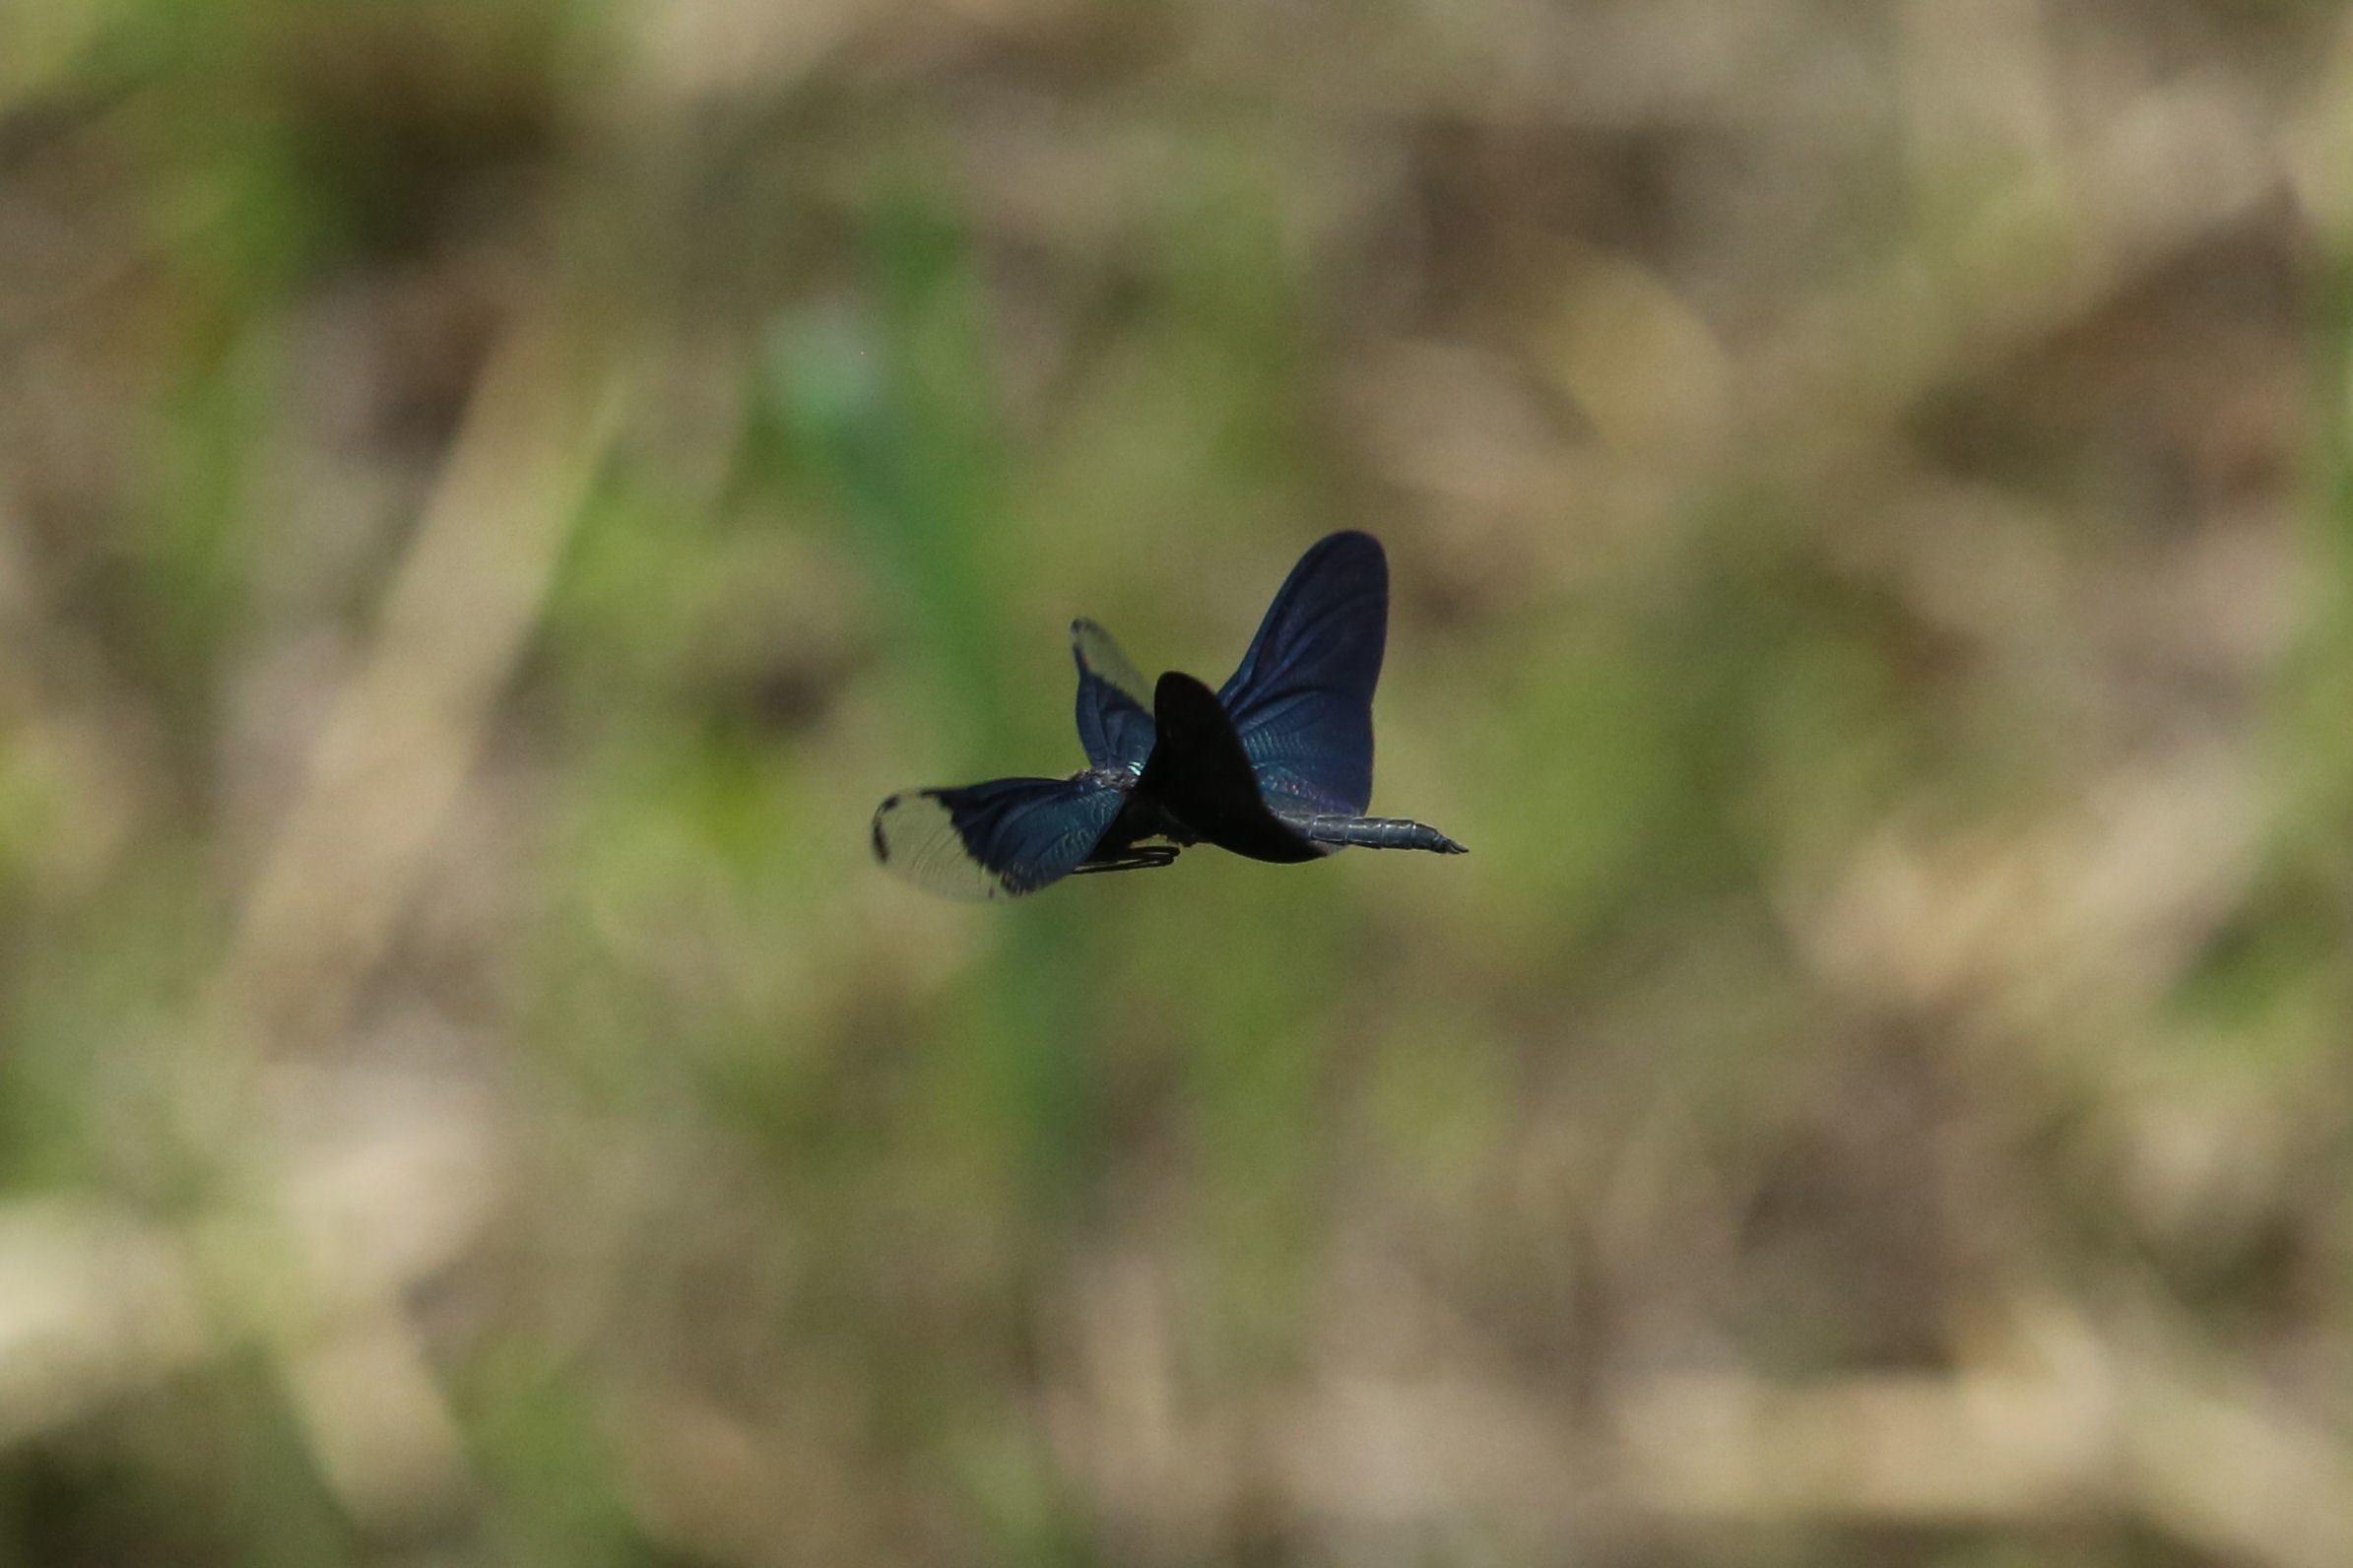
1276	765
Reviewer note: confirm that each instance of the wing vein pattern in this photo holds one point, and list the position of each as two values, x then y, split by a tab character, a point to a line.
1302	697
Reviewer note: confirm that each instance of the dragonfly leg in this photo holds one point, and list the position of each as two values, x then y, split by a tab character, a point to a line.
1140	857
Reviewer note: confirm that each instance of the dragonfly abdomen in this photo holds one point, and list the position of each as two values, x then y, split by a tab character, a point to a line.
1374	832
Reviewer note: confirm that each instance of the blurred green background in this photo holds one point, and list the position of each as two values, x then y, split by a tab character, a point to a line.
494	491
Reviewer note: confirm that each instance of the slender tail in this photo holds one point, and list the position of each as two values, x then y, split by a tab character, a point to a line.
1374	832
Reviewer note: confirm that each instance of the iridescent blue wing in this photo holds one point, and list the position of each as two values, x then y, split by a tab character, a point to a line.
999	839
1302	700
1115	706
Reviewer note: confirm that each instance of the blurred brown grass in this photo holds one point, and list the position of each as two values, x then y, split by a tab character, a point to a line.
491	494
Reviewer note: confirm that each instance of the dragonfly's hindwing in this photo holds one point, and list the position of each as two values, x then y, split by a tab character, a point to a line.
1200	775
1302	698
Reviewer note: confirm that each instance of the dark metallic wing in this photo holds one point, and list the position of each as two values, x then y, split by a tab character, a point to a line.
1200	775
1115	706
999	839
1302	700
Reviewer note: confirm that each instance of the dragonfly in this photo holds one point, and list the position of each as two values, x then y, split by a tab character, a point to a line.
1276	765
